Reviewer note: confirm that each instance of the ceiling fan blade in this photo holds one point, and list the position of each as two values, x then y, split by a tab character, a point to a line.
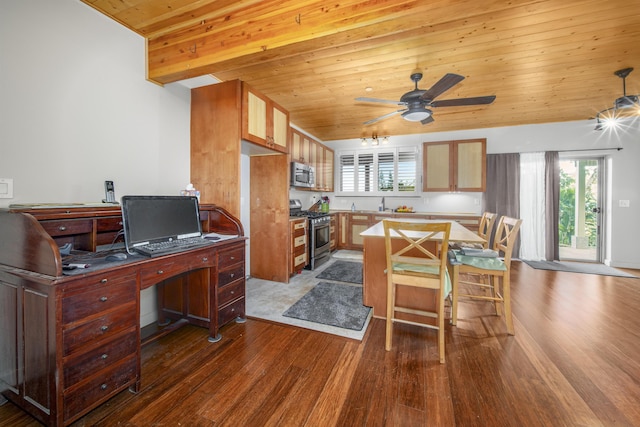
444	84
478	100
384	101
427	120
393	113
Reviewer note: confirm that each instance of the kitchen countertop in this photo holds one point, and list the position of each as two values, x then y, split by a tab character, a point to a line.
389	212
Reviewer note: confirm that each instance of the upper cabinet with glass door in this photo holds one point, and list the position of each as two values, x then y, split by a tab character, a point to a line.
454	165
263	121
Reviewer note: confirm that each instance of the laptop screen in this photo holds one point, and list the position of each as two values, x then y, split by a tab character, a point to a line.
151	219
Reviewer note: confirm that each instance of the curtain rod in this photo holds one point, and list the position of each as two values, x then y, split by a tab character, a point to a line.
589	149
565	151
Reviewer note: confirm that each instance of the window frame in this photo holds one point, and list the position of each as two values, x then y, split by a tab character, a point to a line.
357	153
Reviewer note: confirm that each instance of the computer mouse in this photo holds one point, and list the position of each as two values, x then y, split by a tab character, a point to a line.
120	256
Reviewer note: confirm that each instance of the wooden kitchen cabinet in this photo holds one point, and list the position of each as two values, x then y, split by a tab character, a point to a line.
219	138
357	223
263	121
300	147
454	165
333	233
298	250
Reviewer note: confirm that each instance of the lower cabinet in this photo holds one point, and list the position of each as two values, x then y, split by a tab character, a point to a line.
298	246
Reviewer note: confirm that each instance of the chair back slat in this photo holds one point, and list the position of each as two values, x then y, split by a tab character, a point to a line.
506	236
485	229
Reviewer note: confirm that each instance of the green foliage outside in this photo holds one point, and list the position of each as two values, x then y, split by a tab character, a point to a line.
566	224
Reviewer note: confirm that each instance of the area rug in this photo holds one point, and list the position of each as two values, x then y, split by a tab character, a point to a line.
343	271
332	304
578	267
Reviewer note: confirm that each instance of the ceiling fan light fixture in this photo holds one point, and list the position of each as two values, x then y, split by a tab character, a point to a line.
416	115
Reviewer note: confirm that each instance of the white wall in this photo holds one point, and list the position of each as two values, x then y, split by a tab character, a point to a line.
76	110
622	223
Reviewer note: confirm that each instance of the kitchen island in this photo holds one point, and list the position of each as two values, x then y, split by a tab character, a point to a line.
375	279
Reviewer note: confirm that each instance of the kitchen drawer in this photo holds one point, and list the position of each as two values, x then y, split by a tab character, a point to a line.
231	292
300	261
104	295
103	327
230	257
67	227
300	241
83	365
100	387
229	275
229	312
113	223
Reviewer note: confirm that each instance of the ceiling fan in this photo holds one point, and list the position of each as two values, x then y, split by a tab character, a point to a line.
608	117
419	102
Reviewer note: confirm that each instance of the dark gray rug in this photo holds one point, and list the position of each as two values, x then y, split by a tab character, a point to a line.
343	271
332	304
578	267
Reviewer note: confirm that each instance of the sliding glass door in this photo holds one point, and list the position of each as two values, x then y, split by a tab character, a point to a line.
580	216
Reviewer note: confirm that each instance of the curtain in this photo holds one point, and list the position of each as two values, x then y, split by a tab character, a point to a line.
503	188
532	206
552	205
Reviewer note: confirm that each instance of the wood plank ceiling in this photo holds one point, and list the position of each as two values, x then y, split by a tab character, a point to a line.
545	60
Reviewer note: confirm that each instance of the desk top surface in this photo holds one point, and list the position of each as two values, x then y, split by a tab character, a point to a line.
459	233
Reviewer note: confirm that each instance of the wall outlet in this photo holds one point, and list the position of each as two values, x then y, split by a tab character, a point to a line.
623	203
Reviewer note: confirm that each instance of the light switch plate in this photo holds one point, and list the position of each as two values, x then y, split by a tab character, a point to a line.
623	203
6	188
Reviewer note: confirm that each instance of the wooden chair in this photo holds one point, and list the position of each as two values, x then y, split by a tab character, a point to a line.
493	268
487	222
413	259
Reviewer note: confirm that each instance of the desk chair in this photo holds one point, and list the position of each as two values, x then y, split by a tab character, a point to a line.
492	268
413	260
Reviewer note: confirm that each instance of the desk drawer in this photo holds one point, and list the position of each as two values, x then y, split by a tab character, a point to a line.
101	387
81	366
230	257
103	327
109	224
67	227
227	313
231	292
229	275
101	297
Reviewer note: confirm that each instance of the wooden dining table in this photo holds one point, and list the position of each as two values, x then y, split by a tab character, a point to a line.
374	287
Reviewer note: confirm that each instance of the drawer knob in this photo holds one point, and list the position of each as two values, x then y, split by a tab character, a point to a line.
104	328
233	292
160	271
104	356
233	258
103	299
103	387
62	228
205	259
231	275
104	280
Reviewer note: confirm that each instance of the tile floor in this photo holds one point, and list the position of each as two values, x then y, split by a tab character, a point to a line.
268	300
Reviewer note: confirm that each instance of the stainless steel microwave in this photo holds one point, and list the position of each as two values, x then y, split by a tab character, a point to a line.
302	175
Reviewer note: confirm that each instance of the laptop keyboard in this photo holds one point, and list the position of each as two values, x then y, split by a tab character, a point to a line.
164	248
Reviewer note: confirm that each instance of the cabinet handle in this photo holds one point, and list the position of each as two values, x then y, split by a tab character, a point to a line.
104	280
160	271
232	258
119	222
232	275
233	292
104	299
62	228
103	387
104	328
104	356
205	259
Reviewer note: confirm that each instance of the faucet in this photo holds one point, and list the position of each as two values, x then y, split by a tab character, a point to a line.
382	204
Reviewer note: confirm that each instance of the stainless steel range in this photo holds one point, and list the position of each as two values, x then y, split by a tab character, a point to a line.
319	233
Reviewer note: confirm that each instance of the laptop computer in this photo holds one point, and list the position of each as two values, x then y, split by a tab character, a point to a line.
159	225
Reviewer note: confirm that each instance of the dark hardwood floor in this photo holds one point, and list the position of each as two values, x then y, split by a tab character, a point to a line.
574	361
